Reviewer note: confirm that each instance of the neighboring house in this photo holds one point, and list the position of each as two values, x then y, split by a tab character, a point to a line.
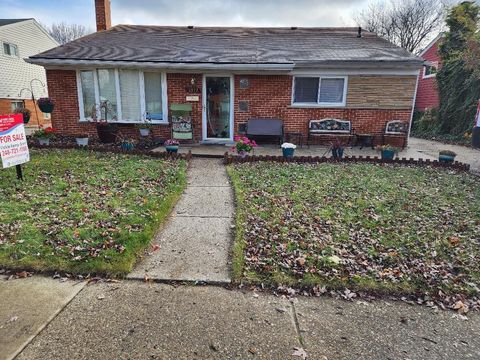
229	75
427	92
19	39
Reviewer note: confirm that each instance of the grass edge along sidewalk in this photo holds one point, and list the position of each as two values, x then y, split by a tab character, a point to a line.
85	212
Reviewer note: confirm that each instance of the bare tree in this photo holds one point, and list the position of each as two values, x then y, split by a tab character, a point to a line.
406	23
63	32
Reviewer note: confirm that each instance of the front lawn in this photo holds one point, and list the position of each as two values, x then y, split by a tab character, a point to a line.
84	212
385	229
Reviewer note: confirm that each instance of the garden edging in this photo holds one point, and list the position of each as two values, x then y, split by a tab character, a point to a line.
229	159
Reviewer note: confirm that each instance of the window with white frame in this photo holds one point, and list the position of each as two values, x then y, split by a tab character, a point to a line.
16	104
128	96
319	90
430	70
10	49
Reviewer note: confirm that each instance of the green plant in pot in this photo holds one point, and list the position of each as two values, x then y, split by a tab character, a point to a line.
243	146
446	156
127	144
25	113
337	149
106	130
171	145
44	135
46	105
387	151
288	149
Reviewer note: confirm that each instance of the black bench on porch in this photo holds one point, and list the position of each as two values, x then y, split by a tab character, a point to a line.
330	128
264	128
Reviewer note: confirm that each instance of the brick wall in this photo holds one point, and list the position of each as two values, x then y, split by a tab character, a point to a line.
267	96
427	93
270	96
6	108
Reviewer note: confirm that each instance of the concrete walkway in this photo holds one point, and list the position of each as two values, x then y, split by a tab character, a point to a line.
195	243
135	320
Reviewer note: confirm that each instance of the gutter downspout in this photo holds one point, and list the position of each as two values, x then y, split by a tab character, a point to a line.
413	106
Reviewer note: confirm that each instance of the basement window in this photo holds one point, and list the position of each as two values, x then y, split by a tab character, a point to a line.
319	91
122	95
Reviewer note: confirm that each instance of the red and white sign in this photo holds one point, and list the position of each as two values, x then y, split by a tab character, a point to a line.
13	142
477	117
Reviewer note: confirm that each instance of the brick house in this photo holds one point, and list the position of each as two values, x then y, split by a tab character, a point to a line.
19	39
427	92
229	75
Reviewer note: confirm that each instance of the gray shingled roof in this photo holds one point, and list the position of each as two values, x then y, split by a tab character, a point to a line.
11	21
225	45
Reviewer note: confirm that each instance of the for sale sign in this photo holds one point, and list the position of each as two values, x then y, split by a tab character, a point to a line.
13	142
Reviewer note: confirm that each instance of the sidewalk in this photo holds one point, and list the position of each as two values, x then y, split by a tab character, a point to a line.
195	242
135	320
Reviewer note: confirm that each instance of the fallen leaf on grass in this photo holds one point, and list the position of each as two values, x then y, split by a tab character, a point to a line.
12	319
300	352
155	247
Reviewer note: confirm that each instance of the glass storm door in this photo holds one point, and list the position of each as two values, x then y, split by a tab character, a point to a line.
217	108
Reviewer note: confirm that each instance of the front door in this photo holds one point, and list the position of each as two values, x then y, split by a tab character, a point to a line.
217	108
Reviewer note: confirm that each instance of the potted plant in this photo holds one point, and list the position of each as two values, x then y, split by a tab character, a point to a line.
82	139
144	127
127	144
387	151
337	149
171	145
25	113
288	149
44	135
446	156
46	105
243	145
107	132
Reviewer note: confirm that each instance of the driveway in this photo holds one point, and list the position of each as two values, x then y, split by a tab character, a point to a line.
464	154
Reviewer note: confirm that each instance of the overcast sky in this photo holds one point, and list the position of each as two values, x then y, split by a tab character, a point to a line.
191	12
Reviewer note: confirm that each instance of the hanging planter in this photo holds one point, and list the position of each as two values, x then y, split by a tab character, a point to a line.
46	105
25	113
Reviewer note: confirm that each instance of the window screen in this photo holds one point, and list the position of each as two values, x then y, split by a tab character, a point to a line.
331	90
108	97
153	95
130	94
306	90
88	91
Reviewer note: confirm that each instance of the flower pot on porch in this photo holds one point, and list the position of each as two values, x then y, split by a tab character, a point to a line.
288	152
171	148
107	133
337	153
388	154
446	158
476	137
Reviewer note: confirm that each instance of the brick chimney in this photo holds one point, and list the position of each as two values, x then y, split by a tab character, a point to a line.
103	15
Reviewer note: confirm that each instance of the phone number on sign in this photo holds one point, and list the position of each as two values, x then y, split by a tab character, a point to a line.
14	151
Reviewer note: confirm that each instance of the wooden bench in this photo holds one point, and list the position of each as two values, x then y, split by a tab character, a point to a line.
330	127
396	129
265	127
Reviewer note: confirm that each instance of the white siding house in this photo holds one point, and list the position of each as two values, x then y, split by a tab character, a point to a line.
19	39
